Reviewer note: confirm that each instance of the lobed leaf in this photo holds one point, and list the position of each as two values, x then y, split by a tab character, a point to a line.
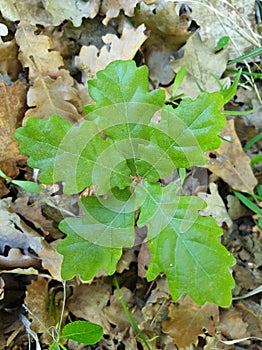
187	250
77	155
186	132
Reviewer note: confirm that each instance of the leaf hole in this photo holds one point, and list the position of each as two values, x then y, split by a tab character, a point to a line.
212	155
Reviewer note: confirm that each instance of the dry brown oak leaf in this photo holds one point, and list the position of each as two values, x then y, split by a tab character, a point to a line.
12	109
230	162
189	320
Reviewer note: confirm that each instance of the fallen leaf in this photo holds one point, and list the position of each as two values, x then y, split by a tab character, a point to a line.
215	206
71	10
51	260
88	302
203	66
53	96
169	31
35	52
29	10
112	8
14	233
230	162
15	259
11	112
115	312
38	301
219	18
32	212
252	315
91	60
9	64
231	324
188	320
235	209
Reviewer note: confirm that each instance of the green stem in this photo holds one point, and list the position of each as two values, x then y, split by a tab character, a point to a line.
128	314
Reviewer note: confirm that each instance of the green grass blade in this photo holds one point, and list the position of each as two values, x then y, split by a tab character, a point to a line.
247	202
252	141
254	52
128	314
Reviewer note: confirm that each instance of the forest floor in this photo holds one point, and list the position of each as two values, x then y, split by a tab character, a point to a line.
49	50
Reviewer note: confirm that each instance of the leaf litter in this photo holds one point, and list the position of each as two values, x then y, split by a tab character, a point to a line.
41	75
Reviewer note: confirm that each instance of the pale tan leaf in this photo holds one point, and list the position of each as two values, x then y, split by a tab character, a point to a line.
230	162
28	10
215	206
203	66
53	96
75	11
51	260
188	320
112	8
35	52
91	60
15	259
235	19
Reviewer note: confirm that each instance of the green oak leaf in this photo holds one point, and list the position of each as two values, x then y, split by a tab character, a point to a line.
108	223
121	82
185	246
76	155
123	107
186	132
85	258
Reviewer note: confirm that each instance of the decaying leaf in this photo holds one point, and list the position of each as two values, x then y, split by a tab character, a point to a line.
15	259
230	162
91	60
203	66
9	64
35	52
169	31
11	112
232	324
38	300
28	10
218	18
54	96
112	8
215	206
51	260
72	10
189	320
115	312
88	302
14	233
32	212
